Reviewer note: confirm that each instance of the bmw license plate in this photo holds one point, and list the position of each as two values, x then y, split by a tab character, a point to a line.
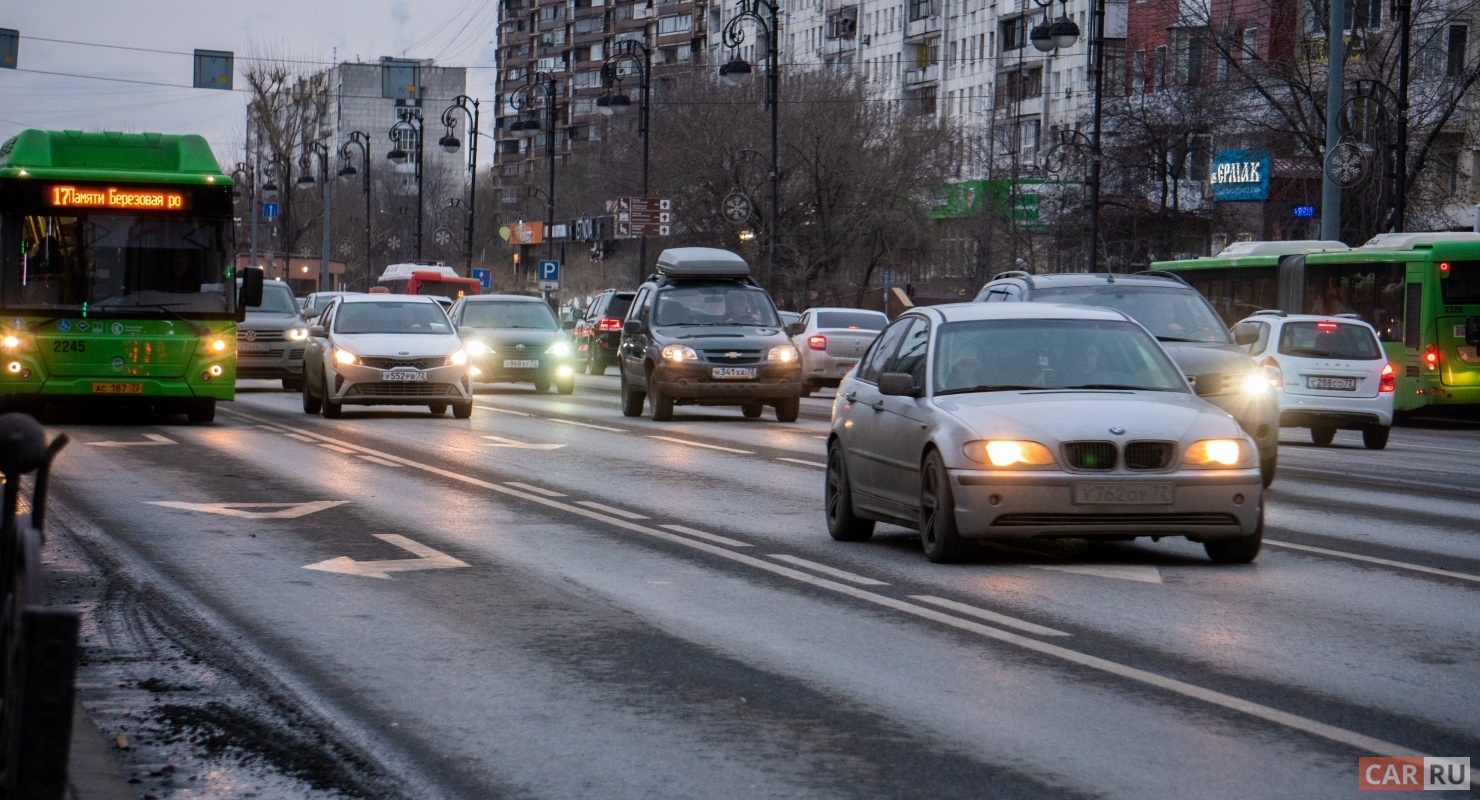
1123	494
1340	384
734	373
521	363
403	375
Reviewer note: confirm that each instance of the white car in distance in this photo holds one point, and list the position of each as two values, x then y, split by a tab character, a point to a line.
1328	373
831	340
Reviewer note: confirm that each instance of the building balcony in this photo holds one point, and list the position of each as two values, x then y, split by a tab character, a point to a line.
922	76
837	47
925	26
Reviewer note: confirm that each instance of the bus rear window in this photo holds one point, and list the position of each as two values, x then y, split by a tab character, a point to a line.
1371	290
1462	287
1329	340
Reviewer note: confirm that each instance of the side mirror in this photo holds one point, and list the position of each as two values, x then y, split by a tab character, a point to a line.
568	325
1472	331
795	328
311	313
466	333
1245	335
632	326
898	384
317	331
250	293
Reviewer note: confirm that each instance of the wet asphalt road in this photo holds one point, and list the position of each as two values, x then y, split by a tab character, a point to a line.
615	608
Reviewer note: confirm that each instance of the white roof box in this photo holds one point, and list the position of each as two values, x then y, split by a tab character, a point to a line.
1408	241
400	272
1286	248
701	262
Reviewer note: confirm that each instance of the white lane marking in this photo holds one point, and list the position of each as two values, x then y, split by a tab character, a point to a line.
300	437
380	461
621	512
1124	572
426	558
701	444
154	440
802	461
1464	576
1362	743
820	437
499	441
585	424
336	448
505	411
990	616
706	536
243	510
537	490
826	570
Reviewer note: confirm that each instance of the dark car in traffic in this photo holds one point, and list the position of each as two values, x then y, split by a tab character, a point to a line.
598	335
270	341
515	339
701	332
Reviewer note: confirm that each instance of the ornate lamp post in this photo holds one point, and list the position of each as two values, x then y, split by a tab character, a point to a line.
449	143
613	102
320	149
410	121
243	174
737	71
361	140
522	98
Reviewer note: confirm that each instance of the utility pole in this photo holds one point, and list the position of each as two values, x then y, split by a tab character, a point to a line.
1335	70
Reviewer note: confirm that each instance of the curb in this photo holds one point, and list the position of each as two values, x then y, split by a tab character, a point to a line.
93	772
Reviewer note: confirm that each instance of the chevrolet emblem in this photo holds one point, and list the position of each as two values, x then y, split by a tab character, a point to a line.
732	354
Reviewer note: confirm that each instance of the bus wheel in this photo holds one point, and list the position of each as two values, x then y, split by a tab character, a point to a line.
202	410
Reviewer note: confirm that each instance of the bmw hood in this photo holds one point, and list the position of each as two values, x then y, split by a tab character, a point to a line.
396	345
1059	416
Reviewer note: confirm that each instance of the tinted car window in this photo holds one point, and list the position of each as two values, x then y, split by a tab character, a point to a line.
1329	340
391	318
505	314
884	348
863	320
911	358
993	355
715	305
618	306
276	299
1173	314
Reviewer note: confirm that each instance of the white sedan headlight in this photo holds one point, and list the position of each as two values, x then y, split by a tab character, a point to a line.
784	353
458	358
345	357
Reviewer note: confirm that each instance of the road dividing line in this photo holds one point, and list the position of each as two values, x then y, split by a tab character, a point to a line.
1361	743
380	461
154	441
300	437
537	490
585	424
499	441
803	462
707	536
826	570
426	558
1464	576
990	616
621	512
336	448
701	444
245	510
505	411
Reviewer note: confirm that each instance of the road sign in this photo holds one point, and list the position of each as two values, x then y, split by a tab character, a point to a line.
642	216
10	40
549	270
484	277
213	69
270	210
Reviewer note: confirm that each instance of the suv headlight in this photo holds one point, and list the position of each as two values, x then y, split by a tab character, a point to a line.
1257	382
784	353
296	334
679	352
558	349
1218	454
343	356
477	348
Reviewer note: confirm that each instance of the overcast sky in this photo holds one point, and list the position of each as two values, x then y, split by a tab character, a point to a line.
115	36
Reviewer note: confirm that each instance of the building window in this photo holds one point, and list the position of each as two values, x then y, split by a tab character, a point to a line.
1028	131
1459	36
1251	44
1138	71
667	25
920	9
1159	69
1014	33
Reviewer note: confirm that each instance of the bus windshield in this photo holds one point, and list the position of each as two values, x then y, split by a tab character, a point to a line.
117	261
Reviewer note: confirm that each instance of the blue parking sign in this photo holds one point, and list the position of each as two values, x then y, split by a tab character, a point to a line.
550	270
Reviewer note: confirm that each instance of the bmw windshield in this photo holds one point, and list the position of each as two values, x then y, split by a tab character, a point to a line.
1026	354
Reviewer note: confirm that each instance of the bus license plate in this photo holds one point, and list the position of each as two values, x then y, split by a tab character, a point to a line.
1123	494
404	375
521	363
734	373
118	388
1340	384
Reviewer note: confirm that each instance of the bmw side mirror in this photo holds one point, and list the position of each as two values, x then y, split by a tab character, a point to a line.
898	384
1472	331
317	331
795	329
632	326
250	293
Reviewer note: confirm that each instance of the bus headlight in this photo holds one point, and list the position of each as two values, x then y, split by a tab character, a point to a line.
14	367
11	342
217	345
296	334
345	357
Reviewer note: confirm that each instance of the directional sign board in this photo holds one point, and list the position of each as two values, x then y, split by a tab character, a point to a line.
643	216
270	210
484	277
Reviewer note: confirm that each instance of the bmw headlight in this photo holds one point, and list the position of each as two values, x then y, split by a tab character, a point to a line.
477	348
345	357
296	334
784	353
679	352
1218	454
458	358
1009	453
559	349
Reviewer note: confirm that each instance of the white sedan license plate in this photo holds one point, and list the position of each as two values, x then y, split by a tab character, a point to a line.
1123	494
520	363
734	373
1341	384
404	375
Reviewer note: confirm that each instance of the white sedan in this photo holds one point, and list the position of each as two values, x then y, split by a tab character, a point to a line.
379	349
1035	421
831	340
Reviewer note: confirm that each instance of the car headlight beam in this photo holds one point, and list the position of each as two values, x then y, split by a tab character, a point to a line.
343	356
1003	453
1215	453
477	348
296	334
558	349
1257	382
783	353
458	358
679	353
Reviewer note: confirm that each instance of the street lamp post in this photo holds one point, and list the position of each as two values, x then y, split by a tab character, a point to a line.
320	149
410	121
736	71
613	102
520	99
361	140
243	173
450	143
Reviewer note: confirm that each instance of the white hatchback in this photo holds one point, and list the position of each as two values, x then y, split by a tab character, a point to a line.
1329	373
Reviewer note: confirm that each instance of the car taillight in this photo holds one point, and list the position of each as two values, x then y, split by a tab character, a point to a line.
1272	369
817	342
609	324
1431	356
1389	380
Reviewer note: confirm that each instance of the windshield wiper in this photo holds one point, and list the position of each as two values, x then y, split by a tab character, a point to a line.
992	387
1180	339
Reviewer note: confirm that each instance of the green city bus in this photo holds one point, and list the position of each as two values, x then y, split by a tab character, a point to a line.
1419	290
116	280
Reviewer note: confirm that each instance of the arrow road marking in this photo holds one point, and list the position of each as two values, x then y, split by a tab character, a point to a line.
499	441
426	558
154	439
243	510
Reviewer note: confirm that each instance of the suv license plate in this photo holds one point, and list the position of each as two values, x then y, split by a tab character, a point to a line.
404	376
1341	384
1123	494
733	373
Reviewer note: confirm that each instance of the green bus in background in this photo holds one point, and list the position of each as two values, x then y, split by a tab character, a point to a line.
116	276
1421	291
